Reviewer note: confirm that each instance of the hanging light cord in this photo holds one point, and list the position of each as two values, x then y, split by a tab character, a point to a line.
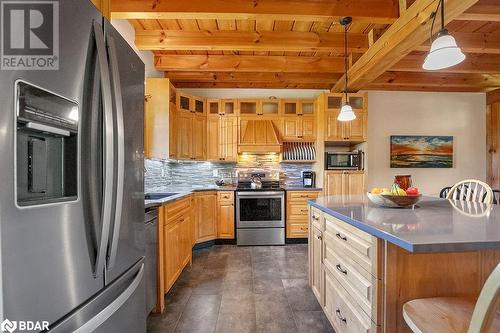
434	18
346	65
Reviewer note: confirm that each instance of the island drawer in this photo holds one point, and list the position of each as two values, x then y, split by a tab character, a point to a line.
358	246
317	218
345	315
362	287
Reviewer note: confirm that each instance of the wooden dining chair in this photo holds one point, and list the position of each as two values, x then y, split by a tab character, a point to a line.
471	190
456	314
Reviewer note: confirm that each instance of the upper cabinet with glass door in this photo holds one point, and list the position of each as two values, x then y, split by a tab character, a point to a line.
183	102
270	107
348	131
198	106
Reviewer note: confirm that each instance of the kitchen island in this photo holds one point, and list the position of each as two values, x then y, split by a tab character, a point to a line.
367	261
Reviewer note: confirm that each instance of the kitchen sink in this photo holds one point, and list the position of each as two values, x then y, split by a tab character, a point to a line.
158	196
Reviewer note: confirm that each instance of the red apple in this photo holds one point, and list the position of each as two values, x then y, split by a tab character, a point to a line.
412	191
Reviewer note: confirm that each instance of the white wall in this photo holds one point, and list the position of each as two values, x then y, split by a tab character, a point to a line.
128	33
462	115
253	93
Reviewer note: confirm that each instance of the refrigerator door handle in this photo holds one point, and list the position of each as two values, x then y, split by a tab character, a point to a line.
120	170
107	201
114	306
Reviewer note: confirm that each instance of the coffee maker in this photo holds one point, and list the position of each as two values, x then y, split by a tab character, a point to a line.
308	179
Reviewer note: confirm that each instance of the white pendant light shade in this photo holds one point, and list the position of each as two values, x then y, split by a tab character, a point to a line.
346	113
444	53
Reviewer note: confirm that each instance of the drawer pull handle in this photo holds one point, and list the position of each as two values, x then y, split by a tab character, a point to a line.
339	315
339	236
315	218
303	210
339	268
318	237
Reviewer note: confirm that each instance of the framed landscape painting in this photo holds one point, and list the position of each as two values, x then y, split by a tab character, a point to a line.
416	151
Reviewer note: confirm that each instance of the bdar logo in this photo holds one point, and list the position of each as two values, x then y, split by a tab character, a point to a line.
8	326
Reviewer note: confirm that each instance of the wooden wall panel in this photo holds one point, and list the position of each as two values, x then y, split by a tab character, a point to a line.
493	145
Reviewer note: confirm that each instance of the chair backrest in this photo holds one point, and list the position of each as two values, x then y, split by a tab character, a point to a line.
496	197
485	309
444	192
471	190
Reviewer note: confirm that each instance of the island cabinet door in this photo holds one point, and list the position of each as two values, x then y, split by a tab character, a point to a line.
316	244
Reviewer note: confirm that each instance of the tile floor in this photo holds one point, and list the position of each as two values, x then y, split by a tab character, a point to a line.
243	289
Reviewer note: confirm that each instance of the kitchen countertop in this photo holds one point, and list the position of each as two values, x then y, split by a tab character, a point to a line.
184	191
436	225
302	188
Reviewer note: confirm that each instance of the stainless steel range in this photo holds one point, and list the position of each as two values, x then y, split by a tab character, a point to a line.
260	209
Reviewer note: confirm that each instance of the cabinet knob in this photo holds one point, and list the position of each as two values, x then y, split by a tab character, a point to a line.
318	237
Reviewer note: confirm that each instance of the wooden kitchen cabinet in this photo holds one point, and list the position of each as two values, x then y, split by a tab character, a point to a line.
346	131
191	136
175	246
198	137
316	244
205	216
342	182
159	115
297	212
222	138
225	212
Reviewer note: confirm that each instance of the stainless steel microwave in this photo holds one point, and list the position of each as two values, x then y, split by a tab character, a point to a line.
344	160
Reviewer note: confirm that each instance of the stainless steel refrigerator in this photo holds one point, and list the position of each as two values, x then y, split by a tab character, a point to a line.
71	178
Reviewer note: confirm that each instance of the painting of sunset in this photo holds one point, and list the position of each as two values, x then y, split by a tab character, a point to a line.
421	151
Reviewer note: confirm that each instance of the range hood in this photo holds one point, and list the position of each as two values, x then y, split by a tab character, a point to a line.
258	137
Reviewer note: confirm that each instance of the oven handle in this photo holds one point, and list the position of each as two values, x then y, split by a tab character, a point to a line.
260	194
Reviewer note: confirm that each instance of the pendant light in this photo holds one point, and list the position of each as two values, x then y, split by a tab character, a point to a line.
444	51
346	113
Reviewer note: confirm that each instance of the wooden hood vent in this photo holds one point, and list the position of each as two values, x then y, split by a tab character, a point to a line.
258	137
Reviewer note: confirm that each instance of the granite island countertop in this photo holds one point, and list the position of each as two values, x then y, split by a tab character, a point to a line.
436	225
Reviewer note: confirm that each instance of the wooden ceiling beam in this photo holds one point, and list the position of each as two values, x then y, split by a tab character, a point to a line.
493	96
473	63
473	42
231	40
256	85
485	10
392	87
432	79
367	11
252	77
244	63
408	32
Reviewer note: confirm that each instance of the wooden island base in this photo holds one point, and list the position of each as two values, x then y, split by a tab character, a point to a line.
418	275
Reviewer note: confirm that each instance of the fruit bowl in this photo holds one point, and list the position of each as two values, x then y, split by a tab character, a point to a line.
394	201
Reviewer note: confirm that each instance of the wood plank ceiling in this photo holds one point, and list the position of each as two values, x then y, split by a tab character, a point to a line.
299	43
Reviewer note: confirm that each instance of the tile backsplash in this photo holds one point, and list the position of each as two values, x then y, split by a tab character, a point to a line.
170	176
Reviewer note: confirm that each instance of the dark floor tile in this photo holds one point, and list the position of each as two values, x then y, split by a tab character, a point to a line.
300	296
269	268
200	314
237	314
273	313
208	283
216	262
266	284
238	274
177	297
237	287
312	322
164	323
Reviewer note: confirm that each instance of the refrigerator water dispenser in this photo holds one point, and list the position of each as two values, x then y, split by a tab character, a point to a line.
46	146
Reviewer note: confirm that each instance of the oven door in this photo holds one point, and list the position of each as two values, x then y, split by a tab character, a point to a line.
260	210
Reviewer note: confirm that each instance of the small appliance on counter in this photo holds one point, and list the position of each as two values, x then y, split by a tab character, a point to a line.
308	178
344	160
